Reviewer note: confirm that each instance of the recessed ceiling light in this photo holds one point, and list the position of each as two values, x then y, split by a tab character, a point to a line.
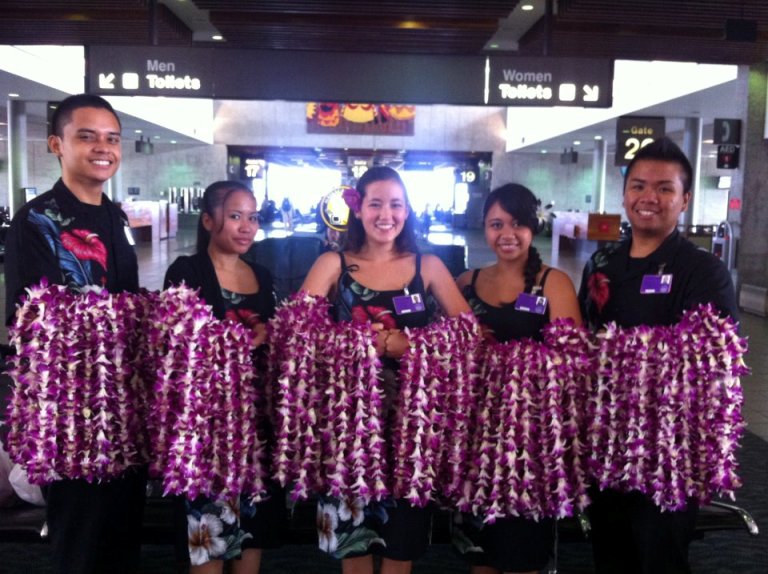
217	37
137	131
576	142
543	151
598	137
13	95
526	7
157	137
494	46
173	141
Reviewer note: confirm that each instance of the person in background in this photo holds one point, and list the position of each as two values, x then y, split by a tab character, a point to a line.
286	211
74	235
371	280
514	298
237	290
649	278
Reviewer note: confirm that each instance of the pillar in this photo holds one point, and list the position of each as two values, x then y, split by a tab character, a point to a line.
17	154
692	148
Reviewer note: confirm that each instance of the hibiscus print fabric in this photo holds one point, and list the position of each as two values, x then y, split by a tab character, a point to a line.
374	314
213	529
81	254
348	527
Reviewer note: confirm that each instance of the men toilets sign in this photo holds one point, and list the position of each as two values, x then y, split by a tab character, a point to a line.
149	71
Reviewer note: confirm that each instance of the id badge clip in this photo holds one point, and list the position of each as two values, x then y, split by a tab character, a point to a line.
531	303
408	303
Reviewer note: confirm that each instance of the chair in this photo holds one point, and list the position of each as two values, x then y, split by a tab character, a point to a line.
288	260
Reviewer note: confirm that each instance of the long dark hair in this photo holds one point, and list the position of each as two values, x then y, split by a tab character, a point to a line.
214	197
520	202
406	241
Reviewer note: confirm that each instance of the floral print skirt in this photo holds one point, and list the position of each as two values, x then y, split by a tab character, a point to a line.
391	528
222	529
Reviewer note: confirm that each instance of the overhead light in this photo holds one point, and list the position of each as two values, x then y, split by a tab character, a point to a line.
709	141
526	7
217	37
598	137
137	131
494	46
173	141
543	151
576	142
13	95
157	137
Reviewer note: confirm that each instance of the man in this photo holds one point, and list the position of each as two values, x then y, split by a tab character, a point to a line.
651	279
74	235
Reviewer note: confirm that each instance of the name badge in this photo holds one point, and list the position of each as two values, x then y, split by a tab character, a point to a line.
656	284
405	304
531	303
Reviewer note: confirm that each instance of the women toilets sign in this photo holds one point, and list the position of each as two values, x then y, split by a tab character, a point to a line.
539	81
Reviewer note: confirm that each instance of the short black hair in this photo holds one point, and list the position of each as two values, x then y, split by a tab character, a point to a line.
663	149
62	115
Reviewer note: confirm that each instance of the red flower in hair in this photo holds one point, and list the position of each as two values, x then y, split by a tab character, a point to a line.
85	245
245	316
599	289
373	314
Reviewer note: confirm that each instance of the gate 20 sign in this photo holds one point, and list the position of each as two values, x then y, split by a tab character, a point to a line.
634	132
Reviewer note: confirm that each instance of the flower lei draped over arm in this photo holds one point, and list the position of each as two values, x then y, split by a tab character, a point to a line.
204	415
664	410
328	403
329	407
79	401
81	406
524	455
511	429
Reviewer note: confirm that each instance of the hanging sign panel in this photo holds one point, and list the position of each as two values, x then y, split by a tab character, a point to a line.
634	132
150	71
540	81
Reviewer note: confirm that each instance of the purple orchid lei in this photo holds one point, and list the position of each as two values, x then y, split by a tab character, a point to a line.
328	403
78	404
81	406
204	415
429	435
524	453
664	409
106	381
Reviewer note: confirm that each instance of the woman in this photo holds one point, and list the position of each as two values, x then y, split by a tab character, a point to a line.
237	290
381	278
513	298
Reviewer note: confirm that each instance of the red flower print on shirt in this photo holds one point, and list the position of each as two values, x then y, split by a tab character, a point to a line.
373	314
244	316
85	245
599	289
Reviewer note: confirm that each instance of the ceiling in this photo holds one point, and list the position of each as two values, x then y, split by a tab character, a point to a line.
706	31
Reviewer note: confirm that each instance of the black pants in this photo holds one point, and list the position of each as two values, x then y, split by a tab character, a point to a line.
96	527
632	535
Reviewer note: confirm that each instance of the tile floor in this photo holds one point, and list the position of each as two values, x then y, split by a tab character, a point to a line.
155	259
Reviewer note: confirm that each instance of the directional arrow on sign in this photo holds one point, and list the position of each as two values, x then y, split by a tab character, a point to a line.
591	93
107	81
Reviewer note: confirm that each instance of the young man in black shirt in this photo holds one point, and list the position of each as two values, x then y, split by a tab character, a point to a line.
74	235
651	278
